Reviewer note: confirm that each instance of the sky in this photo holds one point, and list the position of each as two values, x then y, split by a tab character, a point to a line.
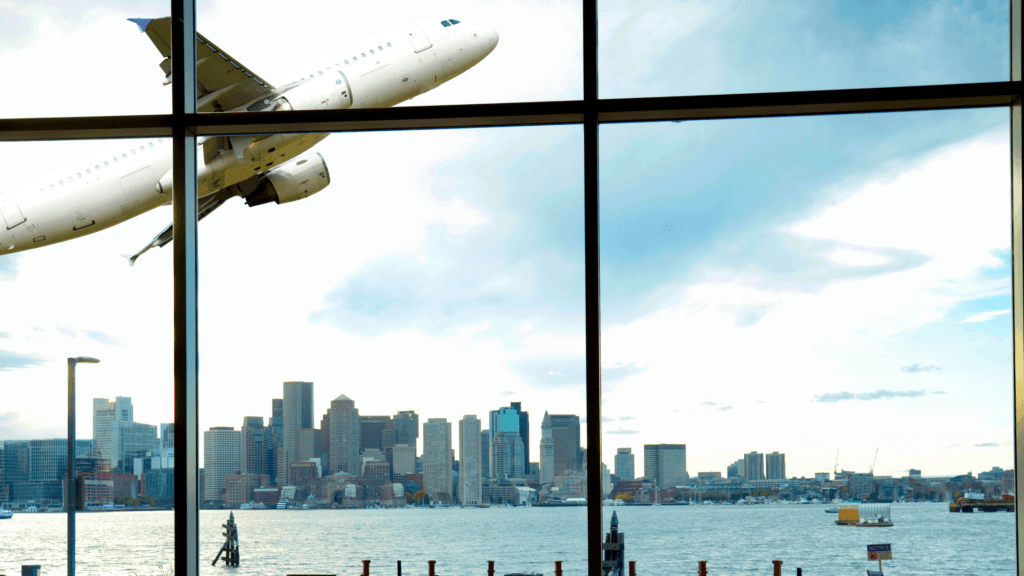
801	285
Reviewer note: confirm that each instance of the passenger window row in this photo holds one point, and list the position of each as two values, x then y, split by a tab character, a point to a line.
449	22
106	163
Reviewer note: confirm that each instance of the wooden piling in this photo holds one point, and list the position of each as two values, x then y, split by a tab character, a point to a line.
632	568
702	568
777	571
490	568
558	568
399	568
430	570
366	568
230	547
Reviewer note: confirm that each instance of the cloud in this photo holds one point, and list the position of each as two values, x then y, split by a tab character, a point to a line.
508	393
567	372
724	408
983	316
14	360
606	419
919	367
615	374
750	315
103	338
66	331
709	403
876	395
13	426
9	267
5	334
625	418
621	432
986	445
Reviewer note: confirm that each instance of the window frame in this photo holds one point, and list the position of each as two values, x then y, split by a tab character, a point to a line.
184	125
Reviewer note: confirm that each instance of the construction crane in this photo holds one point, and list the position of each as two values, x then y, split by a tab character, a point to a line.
875	461
835	469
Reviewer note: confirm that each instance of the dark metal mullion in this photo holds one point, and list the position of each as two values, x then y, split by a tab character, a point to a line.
591	215
184	202
531	113
1017	250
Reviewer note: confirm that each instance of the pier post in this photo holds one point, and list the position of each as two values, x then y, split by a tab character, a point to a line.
490	568
778	567
30	570
558	568
366	568
399	568
430	565
632	568
799	572
702	568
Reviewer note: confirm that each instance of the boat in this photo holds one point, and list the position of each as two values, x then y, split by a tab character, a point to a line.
865	515
832	510
5	514
976	502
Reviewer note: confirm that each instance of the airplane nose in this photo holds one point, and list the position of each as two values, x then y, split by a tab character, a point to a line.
490	36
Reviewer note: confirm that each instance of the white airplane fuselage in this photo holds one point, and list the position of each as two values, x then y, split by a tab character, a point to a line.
129	179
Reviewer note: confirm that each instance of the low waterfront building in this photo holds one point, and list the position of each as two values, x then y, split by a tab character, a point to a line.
238	488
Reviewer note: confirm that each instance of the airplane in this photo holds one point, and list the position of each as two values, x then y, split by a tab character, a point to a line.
126	180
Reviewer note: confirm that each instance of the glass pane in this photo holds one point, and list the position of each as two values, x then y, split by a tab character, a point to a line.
68	293
74	59
402	53
810	311
689	48
409	335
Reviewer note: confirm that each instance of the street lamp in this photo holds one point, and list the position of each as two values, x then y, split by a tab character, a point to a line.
70	499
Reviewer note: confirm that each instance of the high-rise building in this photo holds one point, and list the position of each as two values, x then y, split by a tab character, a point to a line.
485	453
254	446
775	466
298	414
119	439
372	431
275	442
547	452
507	456
665	464
343	419
736	470
753	464
403	459
511	419
402	428
625	464
437	459
565	439
470	471
222	456
309	444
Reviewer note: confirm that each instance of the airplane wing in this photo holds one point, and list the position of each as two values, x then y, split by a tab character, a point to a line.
223	83
207	204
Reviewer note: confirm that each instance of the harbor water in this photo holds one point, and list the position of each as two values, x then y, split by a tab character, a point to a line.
665	540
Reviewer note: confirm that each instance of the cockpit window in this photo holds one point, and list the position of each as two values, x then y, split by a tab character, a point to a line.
445	23
454	22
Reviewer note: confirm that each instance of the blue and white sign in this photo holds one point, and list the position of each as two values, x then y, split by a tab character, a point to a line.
879	551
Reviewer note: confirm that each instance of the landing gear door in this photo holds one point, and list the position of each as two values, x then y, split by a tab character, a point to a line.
419	40
9	210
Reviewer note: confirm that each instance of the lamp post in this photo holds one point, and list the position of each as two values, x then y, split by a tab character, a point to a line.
70	498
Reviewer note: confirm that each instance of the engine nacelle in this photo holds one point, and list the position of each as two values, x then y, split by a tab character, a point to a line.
294	180
330	91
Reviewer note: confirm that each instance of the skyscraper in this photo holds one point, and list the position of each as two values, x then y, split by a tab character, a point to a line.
775	465
403	459
298	414
625	464
254	446
507	456
547	452
275	440
485	454
665	464
437	458
372	433
511	419
343	419
565	439
119	439
753	464
222	451
470	479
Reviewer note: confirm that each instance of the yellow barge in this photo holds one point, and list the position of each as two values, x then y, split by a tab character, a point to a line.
865	515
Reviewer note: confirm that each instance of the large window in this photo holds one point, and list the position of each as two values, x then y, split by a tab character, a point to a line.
768	232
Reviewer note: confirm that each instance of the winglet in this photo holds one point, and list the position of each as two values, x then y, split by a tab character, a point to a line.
142	23
129	258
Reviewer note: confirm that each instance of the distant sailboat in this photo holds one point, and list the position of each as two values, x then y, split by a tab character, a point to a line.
657	495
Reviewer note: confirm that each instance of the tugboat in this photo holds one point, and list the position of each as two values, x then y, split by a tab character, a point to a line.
5	514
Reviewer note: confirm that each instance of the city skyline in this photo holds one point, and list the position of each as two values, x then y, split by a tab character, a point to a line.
463	270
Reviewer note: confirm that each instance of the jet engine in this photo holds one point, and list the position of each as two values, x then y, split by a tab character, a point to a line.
329	91
299	178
